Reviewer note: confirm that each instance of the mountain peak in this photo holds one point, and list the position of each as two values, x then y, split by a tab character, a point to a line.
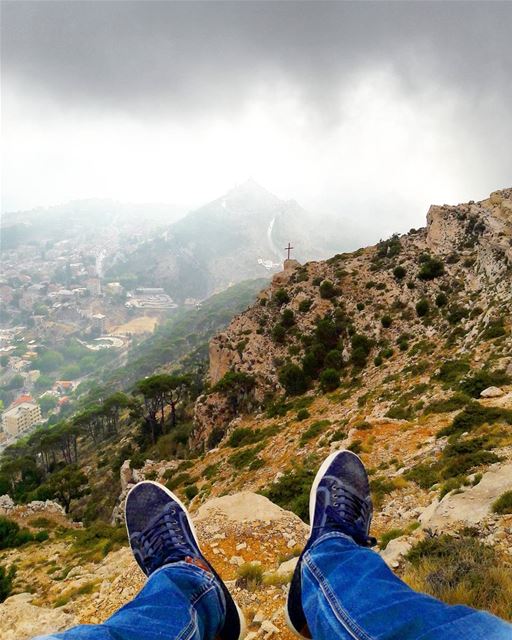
250	188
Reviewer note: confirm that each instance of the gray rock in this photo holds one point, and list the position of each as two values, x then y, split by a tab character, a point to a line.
395	550
21	620
285	568
471	506
492	392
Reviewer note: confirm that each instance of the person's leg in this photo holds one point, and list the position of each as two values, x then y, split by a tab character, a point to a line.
184	598
342	589
348	591
179	601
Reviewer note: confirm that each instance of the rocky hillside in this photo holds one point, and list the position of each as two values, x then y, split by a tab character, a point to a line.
444	290
401	352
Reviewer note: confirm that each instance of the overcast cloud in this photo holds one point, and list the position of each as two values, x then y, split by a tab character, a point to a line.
367	110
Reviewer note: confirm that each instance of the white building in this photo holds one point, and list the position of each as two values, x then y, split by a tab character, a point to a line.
21	418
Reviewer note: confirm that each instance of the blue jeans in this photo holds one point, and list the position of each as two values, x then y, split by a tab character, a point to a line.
349	593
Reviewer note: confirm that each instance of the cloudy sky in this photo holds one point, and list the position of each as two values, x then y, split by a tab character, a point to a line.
369	111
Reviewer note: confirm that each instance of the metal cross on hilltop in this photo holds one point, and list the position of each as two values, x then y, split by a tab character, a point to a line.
288	248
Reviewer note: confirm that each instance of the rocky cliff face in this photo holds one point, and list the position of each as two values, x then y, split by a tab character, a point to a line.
460	265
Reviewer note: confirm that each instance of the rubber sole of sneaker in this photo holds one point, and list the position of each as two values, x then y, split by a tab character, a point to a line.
312	506
228	597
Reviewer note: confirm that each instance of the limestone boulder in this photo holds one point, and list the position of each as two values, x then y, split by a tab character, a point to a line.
244	507
492	392
395	551
22	620
472	505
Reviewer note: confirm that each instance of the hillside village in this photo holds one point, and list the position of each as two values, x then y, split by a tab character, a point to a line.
82	291
400	352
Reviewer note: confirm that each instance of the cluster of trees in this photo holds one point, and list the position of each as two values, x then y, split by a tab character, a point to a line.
238	387
161	391
45	464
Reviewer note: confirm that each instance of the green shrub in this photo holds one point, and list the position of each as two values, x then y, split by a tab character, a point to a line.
243	458
302	414
313	360
6	580
291	491
399	411
305	305
456	314
277	409
278	333
361	348
42	523
249	576
452	484
178	479
235	380
422	307
503	504
258	463
380	488
326	333
399	272
281	297
41	536
313	431
211	471
475	383
94	542
287	318
458	460
441	548
11	535
339	434
386	321
334	359
441	299
431	268
356	446
389	248
329	380
327	290
191	491
403	344
293	379
360	306
243	435
424	475
453	403
475	415
451	371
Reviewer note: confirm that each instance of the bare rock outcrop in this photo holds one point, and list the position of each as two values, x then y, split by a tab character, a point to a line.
473	505
22	620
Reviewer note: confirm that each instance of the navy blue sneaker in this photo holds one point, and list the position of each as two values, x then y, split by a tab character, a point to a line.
339	501
161	532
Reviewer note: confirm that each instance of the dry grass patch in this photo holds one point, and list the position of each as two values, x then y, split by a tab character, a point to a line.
461	570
